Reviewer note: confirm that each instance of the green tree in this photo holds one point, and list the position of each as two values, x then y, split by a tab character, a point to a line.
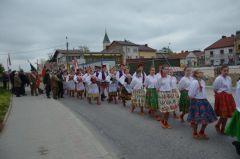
1	68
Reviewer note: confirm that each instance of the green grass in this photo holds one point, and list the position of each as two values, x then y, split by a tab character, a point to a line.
5	97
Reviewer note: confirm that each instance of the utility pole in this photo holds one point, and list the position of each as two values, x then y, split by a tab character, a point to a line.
67	57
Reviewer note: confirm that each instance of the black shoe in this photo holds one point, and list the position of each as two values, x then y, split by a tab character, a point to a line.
237	146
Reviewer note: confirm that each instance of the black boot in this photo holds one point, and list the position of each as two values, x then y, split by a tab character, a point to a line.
237	146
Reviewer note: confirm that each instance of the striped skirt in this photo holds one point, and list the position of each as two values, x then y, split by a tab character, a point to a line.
151	99
138	97
167	101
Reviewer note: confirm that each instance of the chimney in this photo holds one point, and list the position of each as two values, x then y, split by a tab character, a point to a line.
146	45
223	36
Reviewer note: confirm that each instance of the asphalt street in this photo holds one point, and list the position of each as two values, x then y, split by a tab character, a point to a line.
132	136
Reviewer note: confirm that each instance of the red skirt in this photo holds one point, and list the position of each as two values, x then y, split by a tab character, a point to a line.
224	104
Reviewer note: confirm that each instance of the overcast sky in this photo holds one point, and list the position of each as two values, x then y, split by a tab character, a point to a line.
31	29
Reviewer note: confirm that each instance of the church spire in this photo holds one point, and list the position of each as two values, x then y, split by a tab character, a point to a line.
106	40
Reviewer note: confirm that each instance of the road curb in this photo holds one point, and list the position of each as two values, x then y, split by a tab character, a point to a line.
7	114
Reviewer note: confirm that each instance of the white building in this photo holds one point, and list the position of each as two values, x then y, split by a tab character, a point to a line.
220	52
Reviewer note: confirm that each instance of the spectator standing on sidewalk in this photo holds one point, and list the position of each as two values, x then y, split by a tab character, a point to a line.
17	84
47	83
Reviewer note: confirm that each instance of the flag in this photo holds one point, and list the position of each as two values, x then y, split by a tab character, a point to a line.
32	67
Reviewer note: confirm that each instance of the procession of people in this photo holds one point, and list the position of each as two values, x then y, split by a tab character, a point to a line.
159	93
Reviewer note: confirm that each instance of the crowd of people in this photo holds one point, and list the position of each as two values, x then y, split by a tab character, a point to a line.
159	93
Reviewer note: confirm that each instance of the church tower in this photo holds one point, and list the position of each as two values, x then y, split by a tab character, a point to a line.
106	41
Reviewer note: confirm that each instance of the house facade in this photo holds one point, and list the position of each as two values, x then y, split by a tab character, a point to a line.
237	47
221	52
195	58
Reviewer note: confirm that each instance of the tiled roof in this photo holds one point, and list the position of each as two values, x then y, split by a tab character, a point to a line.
222	43
181	55
145	48
125	42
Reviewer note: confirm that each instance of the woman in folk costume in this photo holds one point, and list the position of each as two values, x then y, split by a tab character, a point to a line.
93	90
71	86
166	99
175	91
233	128
80	86
140	68
103	82
85	77
113	85
119	74
151	102
224	102
138	94
126	92
159	74
183	86
200	110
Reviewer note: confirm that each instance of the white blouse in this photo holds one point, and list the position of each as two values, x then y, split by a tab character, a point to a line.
164	84
100	76
238	96
151	81
158	75
195	91
136	83
222	84
173	82
118	74
184	83
84	77
142	74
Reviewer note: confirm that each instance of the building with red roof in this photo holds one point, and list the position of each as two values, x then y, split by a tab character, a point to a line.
220	52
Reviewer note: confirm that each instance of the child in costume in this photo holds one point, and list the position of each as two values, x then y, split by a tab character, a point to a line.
200	110
224	101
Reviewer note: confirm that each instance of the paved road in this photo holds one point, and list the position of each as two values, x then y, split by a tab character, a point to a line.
131	136
40	128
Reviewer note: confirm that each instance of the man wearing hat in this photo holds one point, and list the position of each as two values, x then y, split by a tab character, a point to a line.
103	81
33	79
47	83
17	84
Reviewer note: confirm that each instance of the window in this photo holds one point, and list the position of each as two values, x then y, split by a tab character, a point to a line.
222	61
230	50
221	52
128	49
211	53
212	62
134	50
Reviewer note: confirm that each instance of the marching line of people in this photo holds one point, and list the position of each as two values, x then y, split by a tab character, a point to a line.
158	93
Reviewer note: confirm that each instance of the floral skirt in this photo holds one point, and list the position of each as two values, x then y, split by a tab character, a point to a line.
125	95
184	101
138	97
233	128
151	99
224	104
201	112
167	101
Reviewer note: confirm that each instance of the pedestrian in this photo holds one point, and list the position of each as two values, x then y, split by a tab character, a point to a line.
54	85
33	85
166	99
39	85
60	84
113	85
139	93
47	83
200	110
80	87
119	74
103	82
17	84
126	92
224	101
25	81
151	94
175	92
92	88
71	86
183	86
233	128
11	76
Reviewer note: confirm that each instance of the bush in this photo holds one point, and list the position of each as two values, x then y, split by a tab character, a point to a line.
4	103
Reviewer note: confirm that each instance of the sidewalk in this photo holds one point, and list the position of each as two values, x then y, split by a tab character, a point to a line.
41	128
